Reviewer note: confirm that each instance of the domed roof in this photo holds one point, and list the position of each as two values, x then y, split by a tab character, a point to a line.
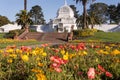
65	12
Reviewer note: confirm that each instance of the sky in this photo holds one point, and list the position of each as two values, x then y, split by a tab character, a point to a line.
10	8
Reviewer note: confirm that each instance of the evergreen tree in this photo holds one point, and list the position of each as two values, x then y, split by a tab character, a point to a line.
37	15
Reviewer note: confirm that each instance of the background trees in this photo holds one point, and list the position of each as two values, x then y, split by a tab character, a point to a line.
118	14
37	15
100	11
84	3
112	11
76	15
3	20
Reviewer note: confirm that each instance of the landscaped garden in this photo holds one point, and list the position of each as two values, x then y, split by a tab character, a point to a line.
82	61
91	58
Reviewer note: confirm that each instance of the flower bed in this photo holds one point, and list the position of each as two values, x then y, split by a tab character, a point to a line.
62	62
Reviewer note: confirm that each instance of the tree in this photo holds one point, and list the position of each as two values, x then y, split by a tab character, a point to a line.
76	15
118	14
23	18
79	21
112	11
37	15
84	3
92	19
25	4
100	11
3	20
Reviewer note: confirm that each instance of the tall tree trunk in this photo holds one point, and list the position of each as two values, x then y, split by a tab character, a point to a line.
25	4
84	16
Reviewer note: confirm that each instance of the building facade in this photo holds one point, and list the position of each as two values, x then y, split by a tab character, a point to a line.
64	20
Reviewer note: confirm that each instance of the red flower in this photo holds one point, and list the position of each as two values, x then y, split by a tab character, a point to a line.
72	47
58	60
96	46
61	47
26	49
55	65
108	74
81	46
101	68
91	73
58	70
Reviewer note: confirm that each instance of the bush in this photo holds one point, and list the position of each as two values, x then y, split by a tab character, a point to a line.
13	33
84	32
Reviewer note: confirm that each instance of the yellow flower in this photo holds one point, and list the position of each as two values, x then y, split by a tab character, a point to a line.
101	51
107	48
84	52
18	51
105	52
97	60
44	54
115	52
13	55
1	51
40	64
34	52
71	56
9	60
37	59
81	53
10	50
37	70
62	52
65	57
25	58
40	76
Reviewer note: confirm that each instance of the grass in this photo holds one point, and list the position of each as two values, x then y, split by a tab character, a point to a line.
99	36
9	42
1	35
6	42
103	37
106	36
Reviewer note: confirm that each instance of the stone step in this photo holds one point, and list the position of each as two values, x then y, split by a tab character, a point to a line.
48	37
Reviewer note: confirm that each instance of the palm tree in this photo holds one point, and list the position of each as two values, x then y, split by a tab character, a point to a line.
25	4
23	19
92	19
84	3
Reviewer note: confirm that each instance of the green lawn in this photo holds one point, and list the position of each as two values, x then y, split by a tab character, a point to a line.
6	42
9	42
1	35
106	36
103	37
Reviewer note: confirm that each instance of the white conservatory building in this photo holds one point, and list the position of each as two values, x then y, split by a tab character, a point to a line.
65	19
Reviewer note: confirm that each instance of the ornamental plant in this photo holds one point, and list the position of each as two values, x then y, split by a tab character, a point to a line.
82	61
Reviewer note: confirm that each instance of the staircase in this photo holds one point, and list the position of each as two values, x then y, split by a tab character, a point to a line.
51	37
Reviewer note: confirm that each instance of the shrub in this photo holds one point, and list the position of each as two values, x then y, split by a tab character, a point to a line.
13	33
84	32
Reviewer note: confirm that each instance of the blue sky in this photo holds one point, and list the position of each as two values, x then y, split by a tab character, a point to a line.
9	8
